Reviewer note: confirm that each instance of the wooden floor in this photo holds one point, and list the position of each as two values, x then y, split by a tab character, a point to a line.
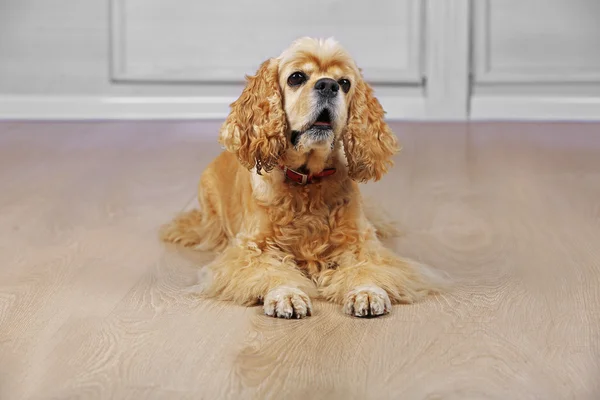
92	306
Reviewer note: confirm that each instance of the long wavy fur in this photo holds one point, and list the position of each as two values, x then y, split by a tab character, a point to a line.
255	129
368	140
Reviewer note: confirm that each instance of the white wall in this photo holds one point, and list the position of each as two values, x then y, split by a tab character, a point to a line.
481	59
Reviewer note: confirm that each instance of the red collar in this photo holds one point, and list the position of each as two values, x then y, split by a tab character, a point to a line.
305	179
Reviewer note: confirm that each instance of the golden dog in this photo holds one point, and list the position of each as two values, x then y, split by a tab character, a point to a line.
282	207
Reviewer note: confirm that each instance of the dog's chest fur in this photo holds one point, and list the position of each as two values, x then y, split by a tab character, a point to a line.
314	225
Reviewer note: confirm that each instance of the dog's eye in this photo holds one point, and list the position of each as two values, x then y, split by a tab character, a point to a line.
297	78
345	84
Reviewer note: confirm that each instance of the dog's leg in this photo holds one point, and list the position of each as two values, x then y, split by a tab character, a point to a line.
247	275
195	230
370	278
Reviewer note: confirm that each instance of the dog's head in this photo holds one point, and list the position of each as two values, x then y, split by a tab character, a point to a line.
309	99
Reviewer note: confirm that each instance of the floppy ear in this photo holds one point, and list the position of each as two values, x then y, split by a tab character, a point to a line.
255	129
369	142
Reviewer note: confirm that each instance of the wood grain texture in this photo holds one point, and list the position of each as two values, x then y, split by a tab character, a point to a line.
93	306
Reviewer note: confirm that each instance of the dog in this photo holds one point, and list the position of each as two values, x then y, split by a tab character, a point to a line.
281	205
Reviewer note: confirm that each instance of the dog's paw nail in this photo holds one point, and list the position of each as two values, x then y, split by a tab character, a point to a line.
367	301
287	302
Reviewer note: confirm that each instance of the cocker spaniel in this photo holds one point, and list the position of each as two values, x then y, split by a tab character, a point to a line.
282	207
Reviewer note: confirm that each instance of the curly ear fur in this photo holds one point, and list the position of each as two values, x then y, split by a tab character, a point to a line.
256	126
369	142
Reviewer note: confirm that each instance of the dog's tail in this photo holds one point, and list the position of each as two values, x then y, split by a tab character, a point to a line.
195	230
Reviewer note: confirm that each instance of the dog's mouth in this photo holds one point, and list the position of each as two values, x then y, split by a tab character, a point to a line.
323	121
320	129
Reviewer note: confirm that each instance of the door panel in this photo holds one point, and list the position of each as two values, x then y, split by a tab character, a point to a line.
537	40
189	40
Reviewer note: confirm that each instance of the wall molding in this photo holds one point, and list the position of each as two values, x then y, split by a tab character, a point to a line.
447	64
157	108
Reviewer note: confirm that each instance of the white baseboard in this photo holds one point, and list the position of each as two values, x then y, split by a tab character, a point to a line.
128	108
397	108
114	107
535	108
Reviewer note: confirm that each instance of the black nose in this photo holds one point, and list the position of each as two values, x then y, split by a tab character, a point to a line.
327	87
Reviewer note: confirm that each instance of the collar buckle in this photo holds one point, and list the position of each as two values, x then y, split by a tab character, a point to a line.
304	179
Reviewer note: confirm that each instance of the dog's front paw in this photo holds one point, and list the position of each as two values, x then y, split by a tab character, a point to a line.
287	302
367	301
